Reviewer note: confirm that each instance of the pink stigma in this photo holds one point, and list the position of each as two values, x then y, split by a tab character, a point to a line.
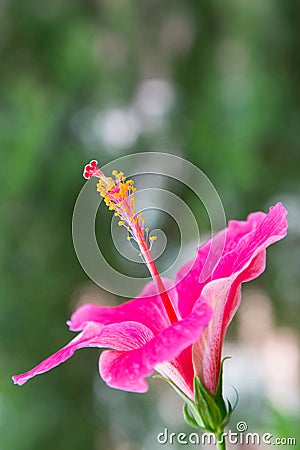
90	169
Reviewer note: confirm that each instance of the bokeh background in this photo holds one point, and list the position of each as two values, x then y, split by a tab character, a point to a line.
214	82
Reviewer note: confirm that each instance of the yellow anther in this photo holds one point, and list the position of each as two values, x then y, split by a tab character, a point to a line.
118	195
112	185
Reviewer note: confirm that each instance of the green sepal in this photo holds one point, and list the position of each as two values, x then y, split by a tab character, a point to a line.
206	405
176	388
190	420
219	392
214	412
230	409
188	402
207	412
228	415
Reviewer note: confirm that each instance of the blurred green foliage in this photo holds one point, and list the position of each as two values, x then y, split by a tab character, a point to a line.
233	69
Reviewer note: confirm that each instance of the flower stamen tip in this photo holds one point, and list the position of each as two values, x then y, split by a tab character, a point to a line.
90	169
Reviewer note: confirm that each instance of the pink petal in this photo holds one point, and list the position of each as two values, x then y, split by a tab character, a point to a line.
111	330
125	336
147	309
268	228
187	281
243	263
243	238
181	371
129	339
128	370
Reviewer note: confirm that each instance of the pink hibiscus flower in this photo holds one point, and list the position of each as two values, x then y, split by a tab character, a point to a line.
180	336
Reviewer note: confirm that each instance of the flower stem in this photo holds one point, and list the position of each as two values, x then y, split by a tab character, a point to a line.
221	443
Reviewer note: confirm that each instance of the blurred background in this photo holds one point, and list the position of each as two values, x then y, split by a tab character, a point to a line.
214	82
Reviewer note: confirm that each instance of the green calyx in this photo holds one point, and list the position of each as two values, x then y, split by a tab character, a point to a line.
208	412
212	409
